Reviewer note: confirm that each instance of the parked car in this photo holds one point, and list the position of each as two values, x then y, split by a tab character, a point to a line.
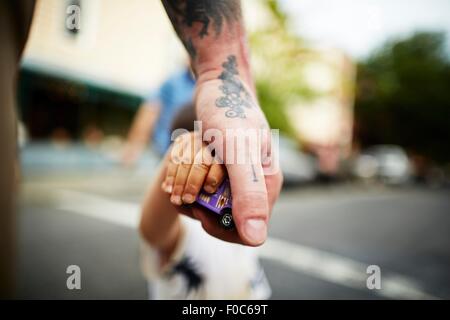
296	166
387	163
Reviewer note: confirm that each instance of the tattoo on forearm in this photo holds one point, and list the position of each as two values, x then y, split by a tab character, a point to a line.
205	12
187	14
236	98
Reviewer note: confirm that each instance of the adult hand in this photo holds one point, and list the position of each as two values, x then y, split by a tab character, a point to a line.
226	104
213	34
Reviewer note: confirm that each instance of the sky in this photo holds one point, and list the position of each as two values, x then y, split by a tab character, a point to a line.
359	26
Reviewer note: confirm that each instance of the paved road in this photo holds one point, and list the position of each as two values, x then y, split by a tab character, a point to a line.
330	234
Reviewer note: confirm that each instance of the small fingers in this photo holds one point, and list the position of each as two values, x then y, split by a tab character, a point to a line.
214	178
171	172
177	154
180	182
188	169
197	175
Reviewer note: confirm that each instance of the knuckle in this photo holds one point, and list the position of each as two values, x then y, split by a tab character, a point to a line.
254	203
203	167
175	159
192	188
185	166
184	161
252	196
171	170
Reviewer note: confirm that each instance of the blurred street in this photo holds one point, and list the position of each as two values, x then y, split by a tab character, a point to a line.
322	238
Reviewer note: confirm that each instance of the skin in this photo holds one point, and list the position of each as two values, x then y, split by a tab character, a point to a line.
140	132
213	34
160	224
185	179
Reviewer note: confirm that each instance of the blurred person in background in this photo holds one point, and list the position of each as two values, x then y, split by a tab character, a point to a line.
154	117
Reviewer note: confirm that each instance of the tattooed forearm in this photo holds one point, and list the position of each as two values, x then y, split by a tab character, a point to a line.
195	20
192	19
189	13
236	98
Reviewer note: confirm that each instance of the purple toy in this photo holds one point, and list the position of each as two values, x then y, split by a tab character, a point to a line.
219	203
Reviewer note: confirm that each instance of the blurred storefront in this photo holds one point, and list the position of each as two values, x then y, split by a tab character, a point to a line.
86	83
75	80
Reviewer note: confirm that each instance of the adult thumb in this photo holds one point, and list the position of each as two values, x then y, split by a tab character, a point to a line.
250	202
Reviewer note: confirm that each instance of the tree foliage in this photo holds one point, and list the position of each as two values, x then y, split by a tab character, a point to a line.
276	54
403	96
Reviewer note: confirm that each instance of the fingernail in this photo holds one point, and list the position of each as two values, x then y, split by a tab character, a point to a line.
168	183
208	188
188	198
176	200
255	230
166	187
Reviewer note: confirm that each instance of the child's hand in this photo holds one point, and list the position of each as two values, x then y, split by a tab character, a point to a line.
188	170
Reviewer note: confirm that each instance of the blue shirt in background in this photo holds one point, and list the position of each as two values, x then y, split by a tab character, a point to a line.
175	93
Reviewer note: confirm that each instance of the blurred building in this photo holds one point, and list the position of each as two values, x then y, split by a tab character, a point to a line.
74	79
324	123
306	91
88	81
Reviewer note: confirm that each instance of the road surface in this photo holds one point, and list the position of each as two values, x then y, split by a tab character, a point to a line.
322	238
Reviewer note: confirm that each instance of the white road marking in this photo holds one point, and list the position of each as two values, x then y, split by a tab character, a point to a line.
307	260
118	212
339	270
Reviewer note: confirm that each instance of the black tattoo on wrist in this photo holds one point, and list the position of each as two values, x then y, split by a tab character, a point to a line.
205	12
236	98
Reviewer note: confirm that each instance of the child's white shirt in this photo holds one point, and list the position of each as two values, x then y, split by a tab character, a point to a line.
204	267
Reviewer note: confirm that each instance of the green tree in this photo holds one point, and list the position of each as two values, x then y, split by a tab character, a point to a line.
403	96
277	53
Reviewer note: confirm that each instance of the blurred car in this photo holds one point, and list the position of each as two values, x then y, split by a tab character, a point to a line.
388	163
297	167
